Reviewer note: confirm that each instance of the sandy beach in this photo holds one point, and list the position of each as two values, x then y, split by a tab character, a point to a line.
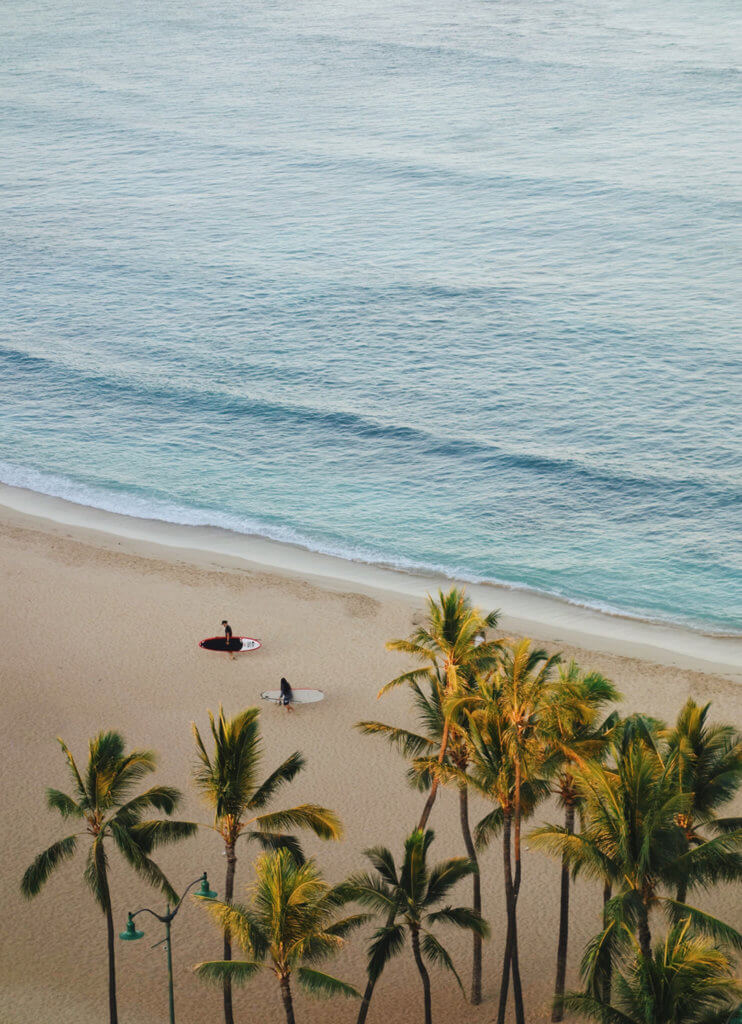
100	621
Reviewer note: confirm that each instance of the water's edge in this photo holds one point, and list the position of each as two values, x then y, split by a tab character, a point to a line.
148	509
525	612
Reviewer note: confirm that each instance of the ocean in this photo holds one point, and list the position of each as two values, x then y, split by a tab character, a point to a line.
449	285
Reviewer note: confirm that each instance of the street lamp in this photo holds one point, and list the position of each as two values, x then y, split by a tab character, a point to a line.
131	934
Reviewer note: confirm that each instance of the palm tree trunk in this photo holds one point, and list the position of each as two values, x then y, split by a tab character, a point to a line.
645	938
423	974
476	965
112	1008
288	1003
514	963
366	1001
436	782
228	894
608	982
100	867
508	871
557	1013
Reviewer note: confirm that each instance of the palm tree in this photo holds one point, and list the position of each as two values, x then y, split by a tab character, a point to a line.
517	701
576	733
420	749
229	779
453	652
630	836
687	980
407	899
289	924
708	767
491	773
105	808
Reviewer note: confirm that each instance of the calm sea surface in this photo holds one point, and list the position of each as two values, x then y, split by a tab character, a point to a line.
444	283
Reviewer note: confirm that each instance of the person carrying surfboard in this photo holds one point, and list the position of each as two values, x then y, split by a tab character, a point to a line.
287	696
228	639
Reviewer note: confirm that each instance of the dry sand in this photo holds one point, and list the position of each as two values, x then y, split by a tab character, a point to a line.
100	618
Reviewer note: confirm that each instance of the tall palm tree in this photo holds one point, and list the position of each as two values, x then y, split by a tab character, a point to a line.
229	778
687	980
630	836
518	701
708	767
290	924
421	750
407	899
575	731
490	772
105	809
453	653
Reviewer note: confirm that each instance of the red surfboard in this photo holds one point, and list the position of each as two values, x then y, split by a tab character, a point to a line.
219	643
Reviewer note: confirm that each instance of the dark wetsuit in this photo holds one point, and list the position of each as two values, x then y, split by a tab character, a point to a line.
231	644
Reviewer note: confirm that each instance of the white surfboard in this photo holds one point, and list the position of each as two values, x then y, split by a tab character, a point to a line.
299	696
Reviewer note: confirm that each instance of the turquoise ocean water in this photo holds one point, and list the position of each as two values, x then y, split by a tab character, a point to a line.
440	283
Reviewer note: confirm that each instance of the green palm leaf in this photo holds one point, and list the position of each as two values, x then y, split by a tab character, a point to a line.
38	873
315	983
323	822
236	971
280	777
434	952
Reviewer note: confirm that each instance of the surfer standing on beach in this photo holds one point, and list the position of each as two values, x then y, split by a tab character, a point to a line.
287	695
228	638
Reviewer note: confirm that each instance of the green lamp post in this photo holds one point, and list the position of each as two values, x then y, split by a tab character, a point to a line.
130	934
736	1017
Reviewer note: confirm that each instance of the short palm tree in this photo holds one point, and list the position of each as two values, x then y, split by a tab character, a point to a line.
707	766
576	732
421	749
630	836
407	900
290	924
230	781
687	980
106	810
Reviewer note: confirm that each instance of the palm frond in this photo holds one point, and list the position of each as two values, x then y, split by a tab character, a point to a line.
280	777
386	943
444	876
315	983
235	971
159	798
66	806
278	841
435	953
370	892
705	924
460	917
383	861
323	822
588	1006
409	744
38	873
150	834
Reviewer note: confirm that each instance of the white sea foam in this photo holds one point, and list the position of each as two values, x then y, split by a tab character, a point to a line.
139	507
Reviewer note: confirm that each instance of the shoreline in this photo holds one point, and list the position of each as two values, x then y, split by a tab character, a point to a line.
541	616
